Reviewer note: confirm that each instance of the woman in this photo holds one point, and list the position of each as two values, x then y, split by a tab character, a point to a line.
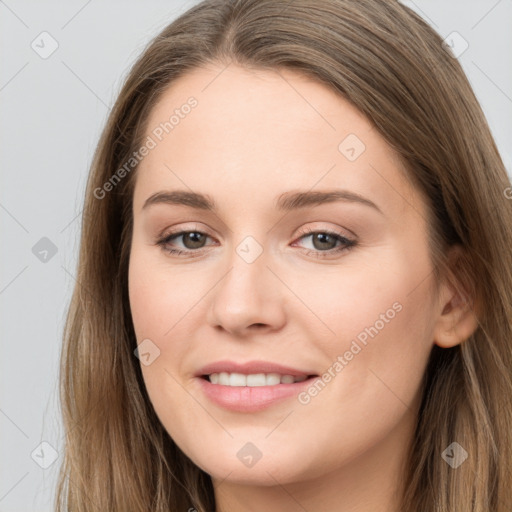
294	274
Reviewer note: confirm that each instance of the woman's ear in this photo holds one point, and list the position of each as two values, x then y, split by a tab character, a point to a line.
457	319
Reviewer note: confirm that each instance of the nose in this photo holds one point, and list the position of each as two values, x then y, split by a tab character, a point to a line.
248	299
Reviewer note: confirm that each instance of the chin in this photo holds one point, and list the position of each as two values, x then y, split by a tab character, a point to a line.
266	471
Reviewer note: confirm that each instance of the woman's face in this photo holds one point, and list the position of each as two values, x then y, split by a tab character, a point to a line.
278	279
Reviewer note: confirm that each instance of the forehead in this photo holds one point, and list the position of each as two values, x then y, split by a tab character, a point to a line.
254	127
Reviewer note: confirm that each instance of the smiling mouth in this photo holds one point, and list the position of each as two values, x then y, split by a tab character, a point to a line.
254	379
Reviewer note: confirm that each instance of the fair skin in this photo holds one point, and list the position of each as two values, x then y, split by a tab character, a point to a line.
253	136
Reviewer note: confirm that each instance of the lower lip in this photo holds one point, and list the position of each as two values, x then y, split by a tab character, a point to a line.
251	399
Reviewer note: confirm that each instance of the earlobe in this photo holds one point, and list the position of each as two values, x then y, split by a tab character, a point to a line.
457	319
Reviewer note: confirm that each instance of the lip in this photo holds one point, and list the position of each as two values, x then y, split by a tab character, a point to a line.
251	399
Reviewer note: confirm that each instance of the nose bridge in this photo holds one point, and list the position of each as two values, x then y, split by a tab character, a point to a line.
248	263
247	293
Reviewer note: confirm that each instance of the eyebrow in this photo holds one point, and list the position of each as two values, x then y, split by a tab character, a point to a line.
287	201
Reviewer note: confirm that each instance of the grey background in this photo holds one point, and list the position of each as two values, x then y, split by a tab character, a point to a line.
52	111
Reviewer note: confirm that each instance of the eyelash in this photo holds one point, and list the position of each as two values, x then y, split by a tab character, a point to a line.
347	243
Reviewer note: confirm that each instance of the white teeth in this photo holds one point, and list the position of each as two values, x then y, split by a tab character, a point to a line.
272	379
237	379
224	379
253	380
287	379
257	379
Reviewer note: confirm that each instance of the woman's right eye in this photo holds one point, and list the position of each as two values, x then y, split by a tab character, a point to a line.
191	240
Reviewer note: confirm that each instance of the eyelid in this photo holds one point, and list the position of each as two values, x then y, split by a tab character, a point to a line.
166	235
196	228
323	229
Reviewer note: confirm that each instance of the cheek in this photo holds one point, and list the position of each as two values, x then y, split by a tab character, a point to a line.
390	289
159	295
158	300
376	324
377	357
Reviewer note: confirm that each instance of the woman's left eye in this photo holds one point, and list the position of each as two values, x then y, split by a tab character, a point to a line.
325	242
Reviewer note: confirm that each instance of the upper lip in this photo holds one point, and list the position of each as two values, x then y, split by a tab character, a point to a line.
250	367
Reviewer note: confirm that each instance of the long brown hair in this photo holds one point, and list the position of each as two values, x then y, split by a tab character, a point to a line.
392	66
